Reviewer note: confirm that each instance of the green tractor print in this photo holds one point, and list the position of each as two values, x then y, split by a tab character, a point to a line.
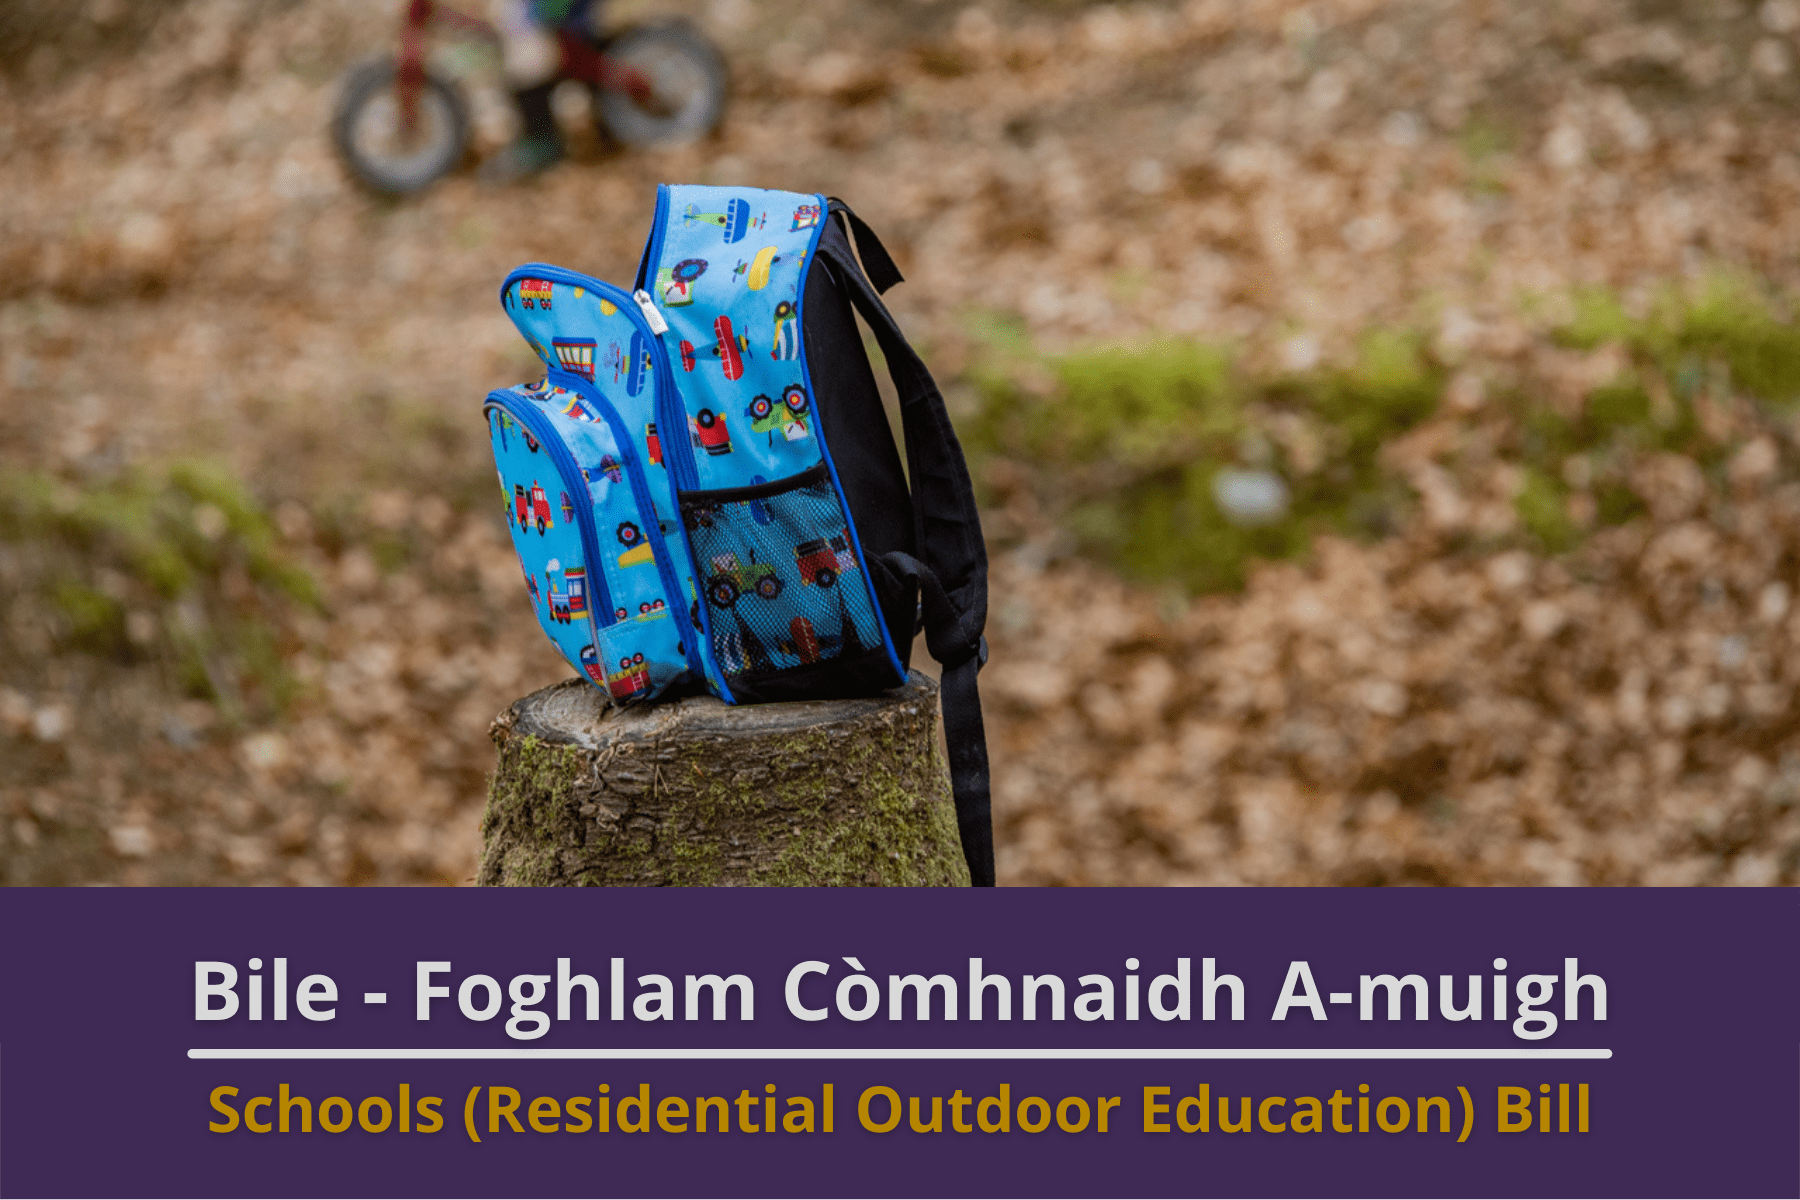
732	578
787	417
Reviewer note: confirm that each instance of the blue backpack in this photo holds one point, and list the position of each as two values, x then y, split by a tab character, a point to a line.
704	490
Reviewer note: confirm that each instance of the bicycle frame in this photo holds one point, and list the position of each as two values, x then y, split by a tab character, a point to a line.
581	60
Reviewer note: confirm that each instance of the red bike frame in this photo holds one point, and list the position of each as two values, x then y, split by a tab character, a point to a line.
581	60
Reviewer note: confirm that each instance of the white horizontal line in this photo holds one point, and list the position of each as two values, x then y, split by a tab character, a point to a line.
816	1054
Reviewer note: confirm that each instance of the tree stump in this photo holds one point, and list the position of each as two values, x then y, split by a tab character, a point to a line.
699	793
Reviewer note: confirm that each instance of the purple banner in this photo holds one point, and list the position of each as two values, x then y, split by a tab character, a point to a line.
1505	1043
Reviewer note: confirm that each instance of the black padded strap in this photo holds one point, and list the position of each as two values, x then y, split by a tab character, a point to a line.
876	261
951	570
964	734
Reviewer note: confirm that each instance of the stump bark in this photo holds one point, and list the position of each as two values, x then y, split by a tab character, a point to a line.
699	793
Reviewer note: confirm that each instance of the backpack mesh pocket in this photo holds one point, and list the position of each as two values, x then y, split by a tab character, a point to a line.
779	576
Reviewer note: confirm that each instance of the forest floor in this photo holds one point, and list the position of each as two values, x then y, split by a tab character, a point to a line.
1499	292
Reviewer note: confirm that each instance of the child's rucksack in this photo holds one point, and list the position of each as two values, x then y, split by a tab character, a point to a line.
704	487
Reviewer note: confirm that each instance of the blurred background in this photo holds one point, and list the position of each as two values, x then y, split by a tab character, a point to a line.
1385	412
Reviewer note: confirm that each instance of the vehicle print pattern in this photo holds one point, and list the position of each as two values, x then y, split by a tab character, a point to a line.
747	341
771	569
761	389
544	557
770	564
635	623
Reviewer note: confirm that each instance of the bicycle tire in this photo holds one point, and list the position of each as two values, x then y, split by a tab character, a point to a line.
688	75
366	115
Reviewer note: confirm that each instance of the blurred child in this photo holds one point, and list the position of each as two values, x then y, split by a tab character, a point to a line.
542	41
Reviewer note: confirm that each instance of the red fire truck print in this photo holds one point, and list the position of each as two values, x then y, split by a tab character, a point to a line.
632	679
540	509
535	292
730	349
709	432
521	507
590	662
576	355
822	561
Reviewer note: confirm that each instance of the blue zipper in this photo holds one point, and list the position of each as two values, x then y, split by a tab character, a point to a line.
670	415
540	427
678	456
653	247
640	492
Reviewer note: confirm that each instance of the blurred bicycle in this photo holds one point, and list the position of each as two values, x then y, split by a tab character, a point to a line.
402	121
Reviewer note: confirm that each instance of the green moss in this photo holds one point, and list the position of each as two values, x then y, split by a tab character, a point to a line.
535	811
1483	139
531	804
1728	320
177	540
94	620
1125	443
888	815
1599	317
1615	504
1543	508
1731	322
1390	388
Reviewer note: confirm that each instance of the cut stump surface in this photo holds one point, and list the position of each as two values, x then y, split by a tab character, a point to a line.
700	793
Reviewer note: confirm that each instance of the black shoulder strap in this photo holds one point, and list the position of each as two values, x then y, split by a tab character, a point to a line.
952	578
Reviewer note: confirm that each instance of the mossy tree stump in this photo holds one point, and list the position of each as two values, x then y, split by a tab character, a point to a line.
698	793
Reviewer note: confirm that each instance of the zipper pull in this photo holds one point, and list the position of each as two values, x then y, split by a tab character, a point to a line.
658	326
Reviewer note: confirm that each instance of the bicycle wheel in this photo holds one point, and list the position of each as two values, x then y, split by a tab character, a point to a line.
367	132
687	80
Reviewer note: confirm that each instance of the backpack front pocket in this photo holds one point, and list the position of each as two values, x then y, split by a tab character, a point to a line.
781	589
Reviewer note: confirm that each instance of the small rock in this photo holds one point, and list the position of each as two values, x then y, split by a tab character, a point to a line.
1250	497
